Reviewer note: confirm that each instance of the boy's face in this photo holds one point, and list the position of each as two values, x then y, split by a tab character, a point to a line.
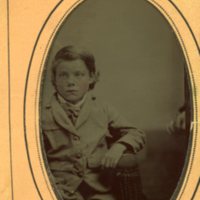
72	80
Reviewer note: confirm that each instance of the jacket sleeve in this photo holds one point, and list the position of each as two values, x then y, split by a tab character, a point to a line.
124	132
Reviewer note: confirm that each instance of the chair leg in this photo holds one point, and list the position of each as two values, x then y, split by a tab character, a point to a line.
127	185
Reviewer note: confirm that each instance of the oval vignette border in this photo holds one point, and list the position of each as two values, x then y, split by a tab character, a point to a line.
48	44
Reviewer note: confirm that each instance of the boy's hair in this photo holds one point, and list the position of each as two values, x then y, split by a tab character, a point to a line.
70	53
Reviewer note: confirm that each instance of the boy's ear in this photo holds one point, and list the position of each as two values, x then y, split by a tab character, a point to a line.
95	77
92	78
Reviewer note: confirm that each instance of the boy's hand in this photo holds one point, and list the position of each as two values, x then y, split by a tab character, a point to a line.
111	158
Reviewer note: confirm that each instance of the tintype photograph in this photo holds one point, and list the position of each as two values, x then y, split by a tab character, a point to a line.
115	106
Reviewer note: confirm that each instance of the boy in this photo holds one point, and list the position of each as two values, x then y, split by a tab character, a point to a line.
75	127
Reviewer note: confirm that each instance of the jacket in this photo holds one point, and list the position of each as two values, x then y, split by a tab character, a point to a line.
74	152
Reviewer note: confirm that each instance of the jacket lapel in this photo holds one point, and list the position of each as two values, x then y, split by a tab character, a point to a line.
61	117
85	112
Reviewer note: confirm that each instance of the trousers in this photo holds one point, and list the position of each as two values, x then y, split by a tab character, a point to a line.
85	192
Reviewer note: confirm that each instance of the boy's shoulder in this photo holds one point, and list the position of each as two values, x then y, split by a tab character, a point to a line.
101	105
95	103
53	103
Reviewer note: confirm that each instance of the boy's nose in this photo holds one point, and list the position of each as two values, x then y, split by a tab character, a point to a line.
71	80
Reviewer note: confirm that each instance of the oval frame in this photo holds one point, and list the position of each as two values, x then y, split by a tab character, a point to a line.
34	78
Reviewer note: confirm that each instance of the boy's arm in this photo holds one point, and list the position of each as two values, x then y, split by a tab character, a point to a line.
124	132
126	137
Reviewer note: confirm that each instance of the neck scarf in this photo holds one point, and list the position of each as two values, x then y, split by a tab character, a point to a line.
72	110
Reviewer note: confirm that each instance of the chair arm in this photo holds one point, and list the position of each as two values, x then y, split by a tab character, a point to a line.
128	160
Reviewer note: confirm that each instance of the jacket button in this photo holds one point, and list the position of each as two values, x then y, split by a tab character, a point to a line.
72	191
79	155
75	138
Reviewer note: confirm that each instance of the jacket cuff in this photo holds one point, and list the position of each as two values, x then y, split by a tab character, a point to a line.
129	148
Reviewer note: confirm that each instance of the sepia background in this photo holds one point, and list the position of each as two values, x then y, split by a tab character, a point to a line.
141	68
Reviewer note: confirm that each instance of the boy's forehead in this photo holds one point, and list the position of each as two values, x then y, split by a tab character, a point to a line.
77	64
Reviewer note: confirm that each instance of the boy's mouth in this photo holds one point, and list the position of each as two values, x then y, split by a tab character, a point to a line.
72	91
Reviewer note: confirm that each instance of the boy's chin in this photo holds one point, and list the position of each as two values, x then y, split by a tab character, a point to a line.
74	100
